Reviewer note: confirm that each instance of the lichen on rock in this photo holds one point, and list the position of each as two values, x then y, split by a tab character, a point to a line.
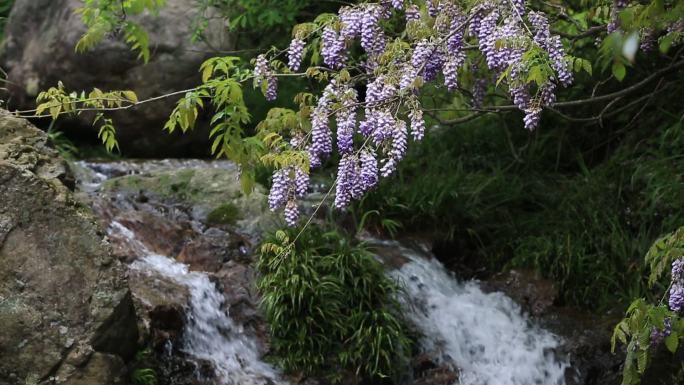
65	307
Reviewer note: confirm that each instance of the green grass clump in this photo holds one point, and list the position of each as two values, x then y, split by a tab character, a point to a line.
330	307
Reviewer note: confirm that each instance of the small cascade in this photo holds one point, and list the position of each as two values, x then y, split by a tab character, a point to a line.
485	336
210	334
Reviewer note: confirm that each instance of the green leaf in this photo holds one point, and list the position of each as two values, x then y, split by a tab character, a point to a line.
619	70
536	75
586	64
503	76
672	342
666	42
642	360
207	71
130	95
247	182
577	65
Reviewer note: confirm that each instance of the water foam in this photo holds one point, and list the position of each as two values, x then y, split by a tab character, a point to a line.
485	336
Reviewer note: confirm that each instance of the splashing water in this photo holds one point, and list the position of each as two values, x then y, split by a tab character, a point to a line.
485	335
210	334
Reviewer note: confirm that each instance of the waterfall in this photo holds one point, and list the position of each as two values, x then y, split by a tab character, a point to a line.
210	333
485	336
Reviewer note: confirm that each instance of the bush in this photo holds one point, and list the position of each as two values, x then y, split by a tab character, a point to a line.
330	307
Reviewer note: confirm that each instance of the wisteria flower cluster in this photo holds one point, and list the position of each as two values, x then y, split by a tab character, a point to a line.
676	300
262	73
288	184
658	335
372	133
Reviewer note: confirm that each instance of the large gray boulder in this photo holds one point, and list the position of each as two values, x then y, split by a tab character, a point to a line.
39	51
65	308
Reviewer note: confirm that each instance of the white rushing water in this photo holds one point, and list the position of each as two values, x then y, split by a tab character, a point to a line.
210	334
485	335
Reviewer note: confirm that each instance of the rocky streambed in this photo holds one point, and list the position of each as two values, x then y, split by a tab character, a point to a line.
100	261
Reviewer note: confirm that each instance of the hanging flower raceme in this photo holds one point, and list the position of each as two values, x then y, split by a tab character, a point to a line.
676	300
412	13
334	49
295	53
552	44
350	18
321	143
347	177
372	36
346	121
397	148
417	124
287	185
369	170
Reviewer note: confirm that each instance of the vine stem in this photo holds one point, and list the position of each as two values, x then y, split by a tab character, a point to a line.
23	113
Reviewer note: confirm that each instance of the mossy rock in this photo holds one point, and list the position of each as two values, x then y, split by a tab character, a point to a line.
213	195
226	214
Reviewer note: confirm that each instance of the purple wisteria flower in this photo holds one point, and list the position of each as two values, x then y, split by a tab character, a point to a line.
658	335
288	184
433	6
279	190
351	22
369	170
271	88
417	124
397	149
261	66
412	13
295	53
334	48
676	300
346	121
291	213
372	35
346	178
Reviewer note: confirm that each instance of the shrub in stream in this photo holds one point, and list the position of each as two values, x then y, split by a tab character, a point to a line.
331	309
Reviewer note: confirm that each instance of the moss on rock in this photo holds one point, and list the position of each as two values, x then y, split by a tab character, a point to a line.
227	214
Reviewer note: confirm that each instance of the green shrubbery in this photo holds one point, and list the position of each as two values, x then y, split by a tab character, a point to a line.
331	310
651	327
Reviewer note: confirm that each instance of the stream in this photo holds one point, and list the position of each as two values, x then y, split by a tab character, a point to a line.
485	337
